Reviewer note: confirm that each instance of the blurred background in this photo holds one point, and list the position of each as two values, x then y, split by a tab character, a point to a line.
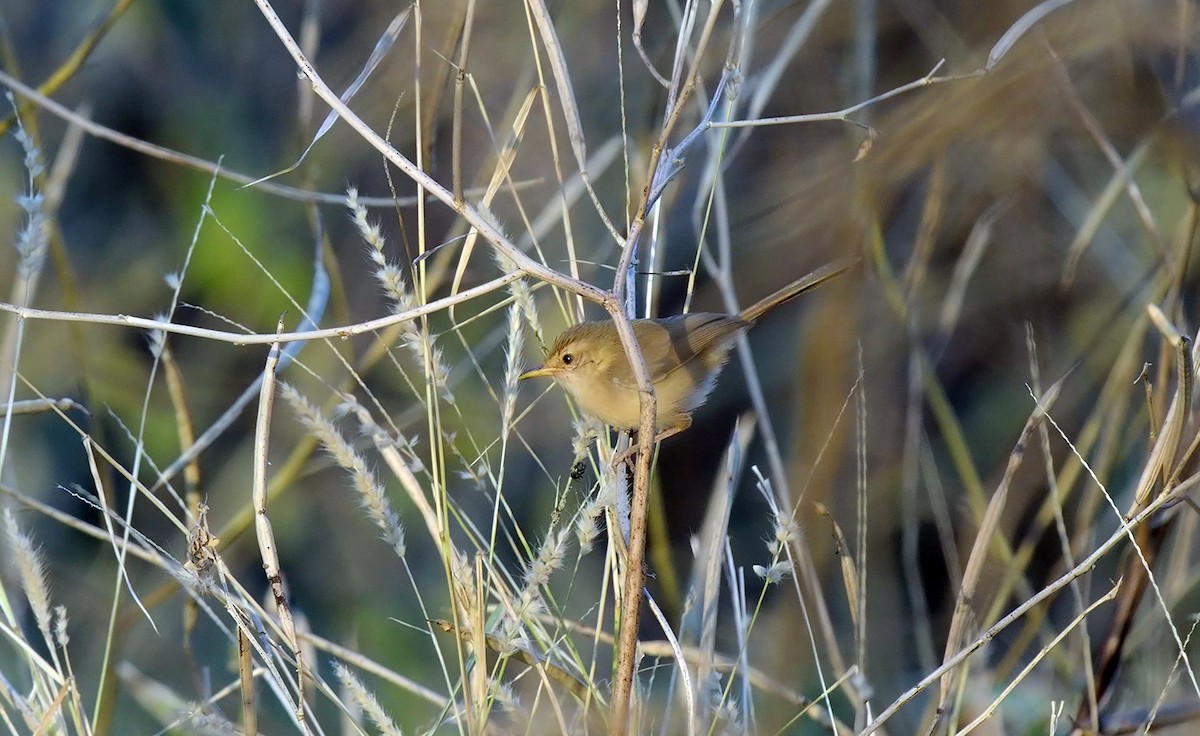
1043	204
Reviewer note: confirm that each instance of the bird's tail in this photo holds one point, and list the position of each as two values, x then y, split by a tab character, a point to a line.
814	279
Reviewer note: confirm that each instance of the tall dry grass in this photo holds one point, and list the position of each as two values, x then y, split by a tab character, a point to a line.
950	492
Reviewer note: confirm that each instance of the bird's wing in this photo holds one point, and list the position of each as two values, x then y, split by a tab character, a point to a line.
675	342
704	330
655	341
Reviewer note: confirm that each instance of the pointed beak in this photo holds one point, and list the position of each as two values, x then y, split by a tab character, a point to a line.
536	373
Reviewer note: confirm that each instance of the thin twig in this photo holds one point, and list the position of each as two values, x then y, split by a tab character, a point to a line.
844	114
1017	613
236	338
198	164
262	525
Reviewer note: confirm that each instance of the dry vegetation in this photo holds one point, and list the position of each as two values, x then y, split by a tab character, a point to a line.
950	492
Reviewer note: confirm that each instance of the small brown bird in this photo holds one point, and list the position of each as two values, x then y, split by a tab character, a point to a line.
684	355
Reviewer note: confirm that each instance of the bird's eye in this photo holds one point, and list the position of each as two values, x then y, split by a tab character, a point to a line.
568	359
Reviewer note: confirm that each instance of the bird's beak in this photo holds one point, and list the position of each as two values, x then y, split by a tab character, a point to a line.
536	373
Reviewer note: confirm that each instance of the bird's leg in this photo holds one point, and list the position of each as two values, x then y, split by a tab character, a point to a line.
681	423
627	454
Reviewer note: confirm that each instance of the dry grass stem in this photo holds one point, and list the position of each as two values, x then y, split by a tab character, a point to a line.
868	525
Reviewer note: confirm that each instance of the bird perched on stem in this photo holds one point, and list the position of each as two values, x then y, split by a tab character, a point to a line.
684	355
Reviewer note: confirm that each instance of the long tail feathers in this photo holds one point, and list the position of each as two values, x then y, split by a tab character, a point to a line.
814	279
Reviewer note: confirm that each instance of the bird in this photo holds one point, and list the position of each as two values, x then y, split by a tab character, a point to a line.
684	355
